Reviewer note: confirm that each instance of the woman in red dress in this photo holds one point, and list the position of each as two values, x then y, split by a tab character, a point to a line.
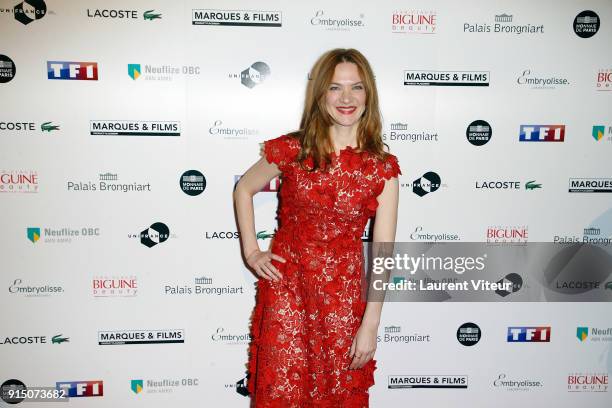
313	333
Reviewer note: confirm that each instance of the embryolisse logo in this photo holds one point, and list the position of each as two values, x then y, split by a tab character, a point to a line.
320	19
222	336
503	382
17	287
219	128
420	235
538	81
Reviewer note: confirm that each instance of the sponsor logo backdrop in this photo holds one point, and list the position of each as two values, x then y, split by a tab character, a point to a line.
124	127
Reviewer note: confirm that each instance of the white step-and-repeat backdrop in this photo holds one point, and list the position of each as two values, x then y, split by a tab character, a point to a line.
124	126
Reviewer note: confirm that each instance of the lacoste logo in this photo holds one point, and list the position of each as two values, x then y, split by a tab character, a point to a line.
532	185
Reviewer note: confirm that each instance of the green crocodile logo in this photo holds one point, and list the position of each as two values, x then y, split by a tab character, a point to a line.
58	339
532	185
264	235
150	15
48	127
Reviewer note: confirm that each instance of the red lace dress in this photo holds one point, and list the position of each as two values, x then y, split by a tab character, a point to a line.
303	326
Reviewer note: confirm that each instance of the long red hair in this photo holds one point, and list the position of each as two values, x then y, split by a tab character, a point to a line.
316	120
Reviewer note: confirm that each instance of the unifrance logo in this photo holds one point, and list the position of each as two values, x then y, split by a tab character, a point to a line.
529	334
542	133
513	281
30	10
253	75
427	183
157	233
83	71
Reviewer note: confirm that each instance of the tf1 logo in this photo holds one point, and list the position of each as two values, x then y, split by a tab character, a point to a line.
81	388
542	133
529	334
85	71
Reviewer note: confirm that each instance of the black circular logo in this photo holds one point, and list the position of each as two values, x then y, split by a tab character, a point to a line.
8	389
157	233
586	24
468	334
7	69
479	132
192	182
428	183
29	10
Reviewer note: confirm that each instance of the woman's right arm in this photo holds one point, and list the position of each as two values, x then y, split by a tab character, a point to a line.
253	180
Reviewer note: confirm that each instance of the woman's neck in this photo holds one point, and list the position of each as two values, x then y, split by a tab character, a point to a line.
343	136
